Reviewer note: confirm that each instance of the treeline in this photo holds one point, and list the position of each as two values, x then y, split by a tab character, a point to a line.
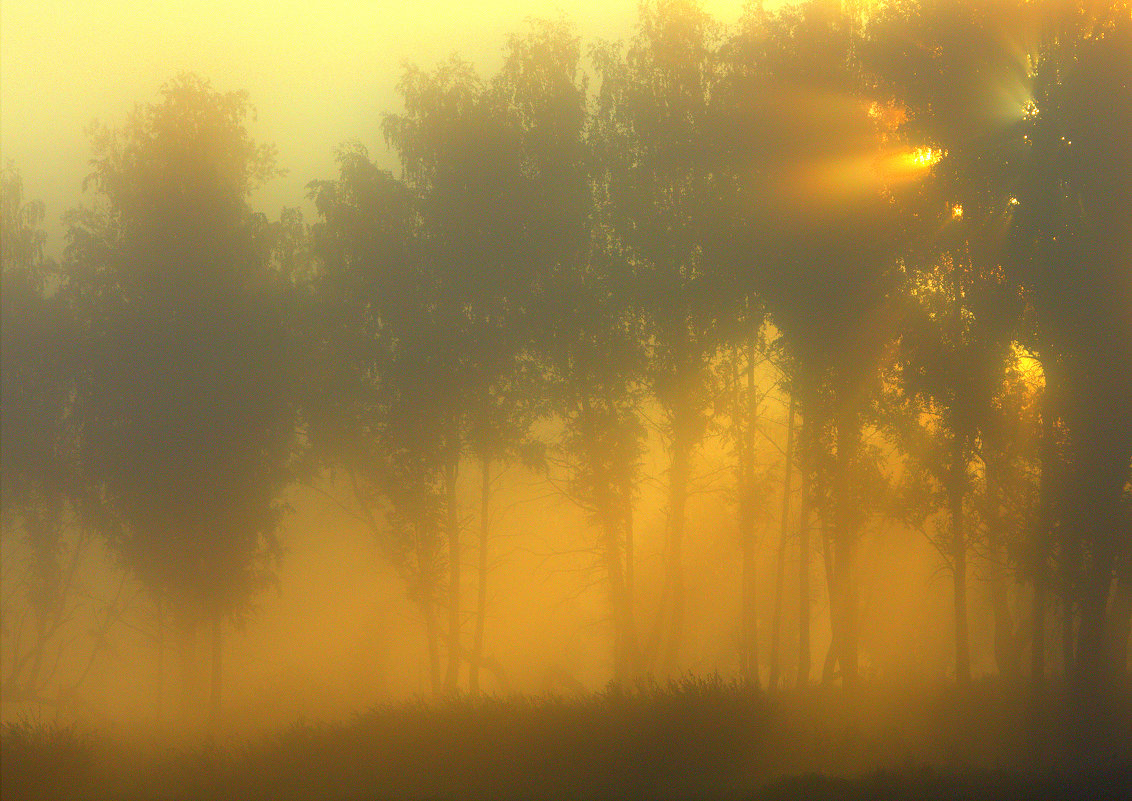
913	223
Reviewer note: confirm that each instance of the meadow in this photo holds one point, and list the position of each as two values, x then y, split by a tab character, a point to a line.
696	738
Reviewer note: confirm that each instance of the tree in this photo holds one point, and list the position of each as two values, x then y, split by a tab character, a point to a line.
586	332
461	157
544	91
821	232
740	404
364	413
963	313
183	396
47	514
590	344
955	342
654	126
424	283
595	365
1070	245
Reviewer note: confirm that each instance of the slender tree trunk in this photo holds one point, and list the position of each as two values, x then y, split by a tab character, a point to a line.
844	565
615	516
1093	677
630	592
1005	638
1038	652
481	610
829	666
452	677
41	613
1068	640
1092	654
848	647
677	507
1120	619
159	699
784	526
749	659
1041	547
808	436
626	657
189	663
1102	450
217	670
632	647
749	662
1071	575
956	491
833	592
613	570
433	635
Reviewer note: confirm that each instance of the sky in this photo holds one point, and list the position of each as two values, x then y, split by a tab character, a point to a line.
318	73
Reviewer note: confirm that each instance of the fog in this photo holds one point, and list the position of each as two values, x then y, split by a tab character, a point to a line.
712	394
319	75
337	634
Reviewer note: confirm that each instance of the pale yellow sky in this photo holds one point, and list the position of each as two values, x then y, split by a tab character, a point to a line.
319	72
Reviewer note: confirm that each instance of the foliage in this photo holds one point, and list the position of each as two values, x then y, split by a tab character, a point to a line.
186	418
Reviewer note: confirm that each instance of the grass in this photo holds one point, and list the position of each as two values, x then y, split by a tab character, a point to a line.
697	738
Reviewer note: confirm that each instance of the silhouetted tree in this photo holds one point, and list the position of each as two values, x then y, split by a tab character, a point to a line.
460	153
740	410
950	75
542	87
362	417
183	394
654	124
47	514
822	235
1070	247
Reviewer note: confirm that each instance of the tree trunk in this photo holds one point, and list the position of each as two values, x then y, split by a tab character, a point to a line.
629	616
833	593
1005	637
956	490
749	640
626	658
749	654
1120	619
849	645
630	592
217	671
844	574
1102	455
190	685
784	525
1038	646
1096	504
1093	677
1071	575
1041	546
614	513
433	635
677	507
452	677
481	609
829	666
1068	638
159	689
808	435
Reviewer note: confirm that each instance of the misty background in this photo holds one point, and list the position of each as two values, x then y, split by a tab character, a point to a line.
324	617
318	75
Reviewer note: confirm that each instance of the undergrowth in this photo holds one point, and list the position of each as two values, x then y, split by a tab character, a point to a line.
695	738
